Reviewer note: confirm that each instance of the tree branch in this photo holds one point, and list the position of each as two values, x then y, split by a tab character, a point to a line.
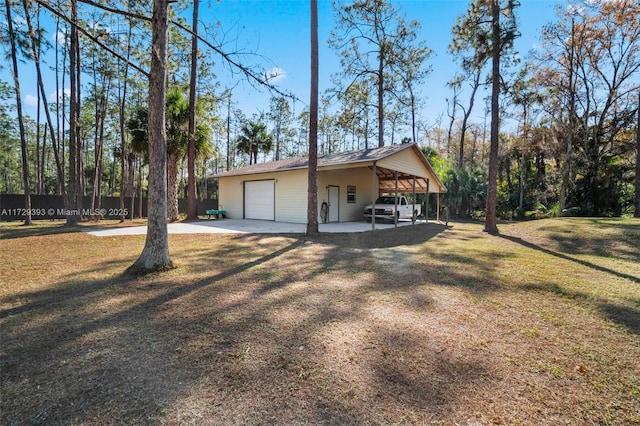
114	10
46	5
245	70
264	81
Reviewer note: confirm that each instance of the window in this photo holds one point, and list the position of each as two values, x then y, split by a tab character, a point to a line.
351	194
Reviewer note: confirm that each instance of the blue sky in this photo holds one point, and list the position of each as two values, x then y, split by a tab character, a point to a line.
278	31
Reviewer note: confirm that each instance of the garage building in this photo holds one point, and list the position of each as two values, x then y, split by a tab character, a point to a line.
347	182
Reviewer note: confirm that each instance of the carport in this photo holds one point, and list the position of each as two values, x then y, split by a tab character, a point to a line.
399	179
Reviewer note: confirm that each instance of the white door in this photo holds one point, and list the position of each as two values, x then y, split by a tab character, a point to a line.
334	204
259	200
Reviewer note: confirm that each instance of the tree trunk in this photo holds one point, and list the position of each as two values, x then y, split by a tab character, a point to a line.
523	176
140	189
491	222
43	190
79	138
54	140
465	118
566	171
155	254
123	171
61	118
39	160
192	211
72	195
23	141
97	165
121	120
452	120
413	116
381	99
131	186
229	130
39	173
172	187
312	194
278	125
637	201
523	161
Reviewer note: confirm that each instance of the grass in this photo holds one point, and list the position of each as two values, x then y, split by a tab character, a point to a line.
415	325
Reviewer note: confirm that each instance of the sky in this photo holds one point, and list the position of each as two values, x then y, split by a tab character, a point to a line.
279	30
278	33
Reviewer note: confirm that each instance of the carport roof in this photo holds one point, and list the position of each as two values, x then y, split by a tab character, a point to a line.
363	156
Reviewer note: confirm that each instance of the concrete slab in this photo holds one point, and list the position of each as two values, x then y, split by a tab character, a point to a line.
238	226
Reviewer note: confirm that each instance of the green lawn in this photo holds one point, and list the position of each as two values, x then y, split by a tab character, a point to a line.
418	325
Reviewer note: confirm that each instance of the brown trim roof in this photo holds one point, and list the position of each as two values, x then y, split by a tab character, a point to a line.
328	160
340	158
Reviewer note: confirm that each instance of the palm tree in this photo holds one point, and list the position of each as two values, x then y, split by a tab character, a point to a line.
254	139
177	145
466	191
177	114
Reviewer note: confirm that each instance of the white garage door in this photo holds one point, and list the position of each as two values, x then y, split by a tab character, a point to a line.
259	200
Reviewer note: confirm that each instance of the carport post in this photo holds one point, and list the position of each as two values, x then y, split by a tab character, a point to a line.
373	196
395	216
438	207
413	207
426	204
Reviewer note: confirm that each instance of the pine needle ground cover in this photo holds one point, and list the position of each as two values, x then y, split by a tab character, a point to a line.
416	325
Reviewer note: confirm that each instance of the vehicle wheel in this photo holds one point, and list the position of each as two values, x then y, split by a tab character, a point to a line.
324	210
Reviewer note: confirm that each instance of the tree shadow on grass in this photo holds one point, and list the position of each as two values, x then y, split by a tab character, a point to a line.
48	375
563	256
124	350
15	232
626	316
75	290
616	237
383	238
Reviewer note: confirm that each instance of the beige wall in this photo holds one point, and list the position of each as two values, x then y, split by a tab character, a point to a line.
359	177
291	193
230	192
291	196
408	162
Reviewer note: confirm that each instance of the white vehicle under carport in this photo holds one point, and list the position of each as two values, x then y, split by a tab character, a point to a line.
389	207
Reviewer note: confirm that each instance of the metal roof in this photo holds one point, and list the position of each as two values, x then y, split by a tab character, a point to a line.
340	159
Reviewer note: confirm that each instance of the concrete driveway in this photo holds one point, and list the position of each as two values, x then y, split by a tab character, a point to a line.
246	226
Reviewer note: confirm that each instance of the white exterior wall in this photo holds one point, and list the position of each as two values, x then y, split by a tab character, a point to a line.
360	177
290	195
